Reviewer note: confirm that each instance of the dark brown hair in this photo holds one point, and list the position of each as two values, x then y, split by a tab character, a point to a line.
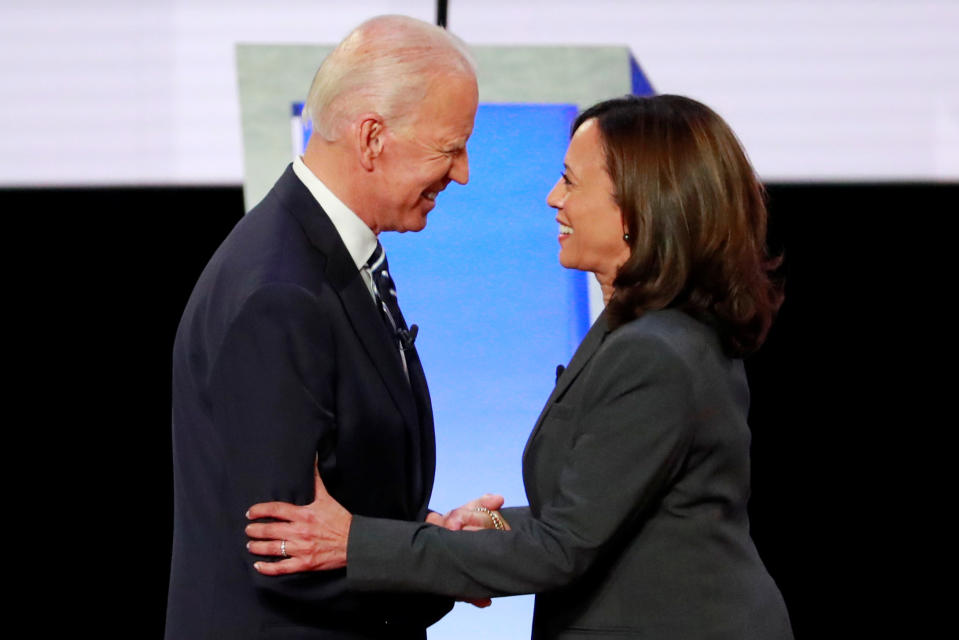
696	217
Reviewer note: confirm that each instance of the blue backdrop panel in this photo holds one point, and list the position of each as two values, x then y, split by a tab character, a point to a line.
641	84
496	313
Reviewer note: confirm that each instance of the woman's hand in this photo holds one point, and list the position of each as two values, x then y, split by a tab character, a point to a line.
475	515
309	538
481	513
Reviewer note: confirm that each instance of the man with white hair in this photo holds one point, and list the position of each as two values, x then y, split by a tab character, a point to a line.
292	352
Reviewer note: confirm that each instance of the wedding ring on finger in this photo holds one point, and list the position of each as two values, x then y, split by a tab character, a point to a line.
493	516
283	549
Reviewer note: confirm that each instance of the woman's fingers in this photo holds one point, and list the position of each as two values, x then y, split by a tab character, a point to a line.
491	501
434	518
482	603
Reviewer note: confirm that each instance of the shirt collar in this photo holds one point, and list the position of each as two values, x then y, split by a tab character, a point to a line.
359	239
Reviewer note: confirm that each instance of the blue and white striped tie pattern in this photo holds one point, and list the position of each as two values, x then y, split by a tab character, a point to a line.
384	292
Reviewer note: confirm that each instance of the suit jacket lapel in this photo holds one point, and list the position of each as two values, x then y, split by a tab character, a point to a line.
584	353
423	468
426	440
352	291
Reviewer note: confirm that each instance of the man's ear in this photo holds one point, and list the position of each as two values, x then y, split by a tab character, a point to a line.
370	133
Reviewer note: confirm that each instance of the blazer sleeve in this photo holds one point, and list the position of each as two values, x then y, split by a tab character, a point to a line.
270	395
515	516
631	435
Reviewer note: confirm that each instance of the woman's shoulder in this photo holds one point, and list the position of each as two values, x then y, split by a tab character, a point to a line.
668	346
670	328
661	348
667	339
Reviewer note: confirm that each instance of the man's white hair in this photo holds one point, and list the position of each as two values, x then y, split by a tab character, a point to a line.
385	66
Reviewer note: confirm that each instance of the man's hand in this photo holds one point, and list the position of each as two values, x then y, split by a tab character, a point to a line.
472	516
310	538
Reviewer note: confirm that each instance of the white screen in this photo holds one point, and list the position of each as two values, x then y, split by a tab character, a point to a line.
118	92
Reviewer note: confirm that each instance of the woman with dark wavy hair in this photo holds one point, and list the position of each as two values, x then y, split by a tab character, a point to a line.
694	217
637	471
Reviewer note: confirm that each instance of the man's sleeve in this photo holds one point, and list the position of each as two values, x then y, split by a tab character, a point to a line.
272	392
271	398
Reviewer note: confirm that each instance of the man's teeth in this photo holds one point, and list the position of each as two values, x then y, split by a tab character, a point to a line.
565	230
429	195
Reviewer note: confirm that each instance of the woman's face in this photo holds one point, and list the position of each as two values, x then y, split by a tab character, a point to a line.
590	222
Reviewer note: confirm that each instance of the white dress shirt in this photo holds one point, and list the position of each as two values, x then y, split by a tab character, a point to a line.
359	239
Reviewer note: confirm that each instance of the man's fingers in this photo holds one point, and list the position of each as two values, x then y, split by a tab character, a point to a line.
290	565
270	531
434	518
278	510
269	547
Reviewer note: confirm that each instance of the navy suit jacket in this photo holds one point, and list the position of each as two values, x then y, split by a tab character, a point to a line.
281	356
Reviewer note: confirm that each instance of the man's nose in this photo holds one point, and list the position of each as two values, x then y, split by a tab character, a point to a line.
460	169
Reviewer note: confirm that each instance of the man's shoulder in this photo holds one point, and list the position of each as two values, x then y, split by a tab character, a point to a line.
269	243
267	249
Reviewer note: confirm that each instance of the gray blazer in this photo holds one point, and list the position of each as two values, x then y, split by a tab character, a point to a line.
637	475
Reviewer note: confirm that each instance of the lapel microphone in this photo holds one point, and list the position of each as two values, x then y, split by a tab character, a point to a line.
559	371
407	338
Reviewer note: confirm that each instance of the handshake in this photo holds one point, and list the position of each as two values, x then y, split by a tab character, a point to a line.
482	513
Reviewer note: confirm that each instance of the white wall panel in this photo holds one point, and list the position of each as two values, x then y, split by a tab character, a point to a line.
120	92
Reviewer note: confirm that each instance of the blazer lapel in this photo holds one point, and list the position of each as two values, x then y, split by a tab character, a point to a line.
584	353
425	438
349	286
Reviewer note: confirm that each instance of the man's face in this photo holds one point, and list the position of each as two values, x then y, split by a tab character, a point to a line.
422	156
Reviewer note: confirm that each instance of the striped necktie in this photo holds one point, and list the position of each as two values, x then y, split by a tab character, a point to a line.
384	292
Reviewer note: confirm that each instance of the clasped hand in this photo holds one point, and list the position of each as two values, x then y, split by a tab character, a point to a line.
314	537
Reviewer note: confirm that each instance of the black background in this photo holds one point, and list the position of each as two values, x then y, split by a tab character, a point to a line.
98	279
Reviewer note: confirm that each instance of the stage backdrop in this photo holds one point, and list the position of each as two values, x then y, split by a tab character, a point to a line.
496	313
